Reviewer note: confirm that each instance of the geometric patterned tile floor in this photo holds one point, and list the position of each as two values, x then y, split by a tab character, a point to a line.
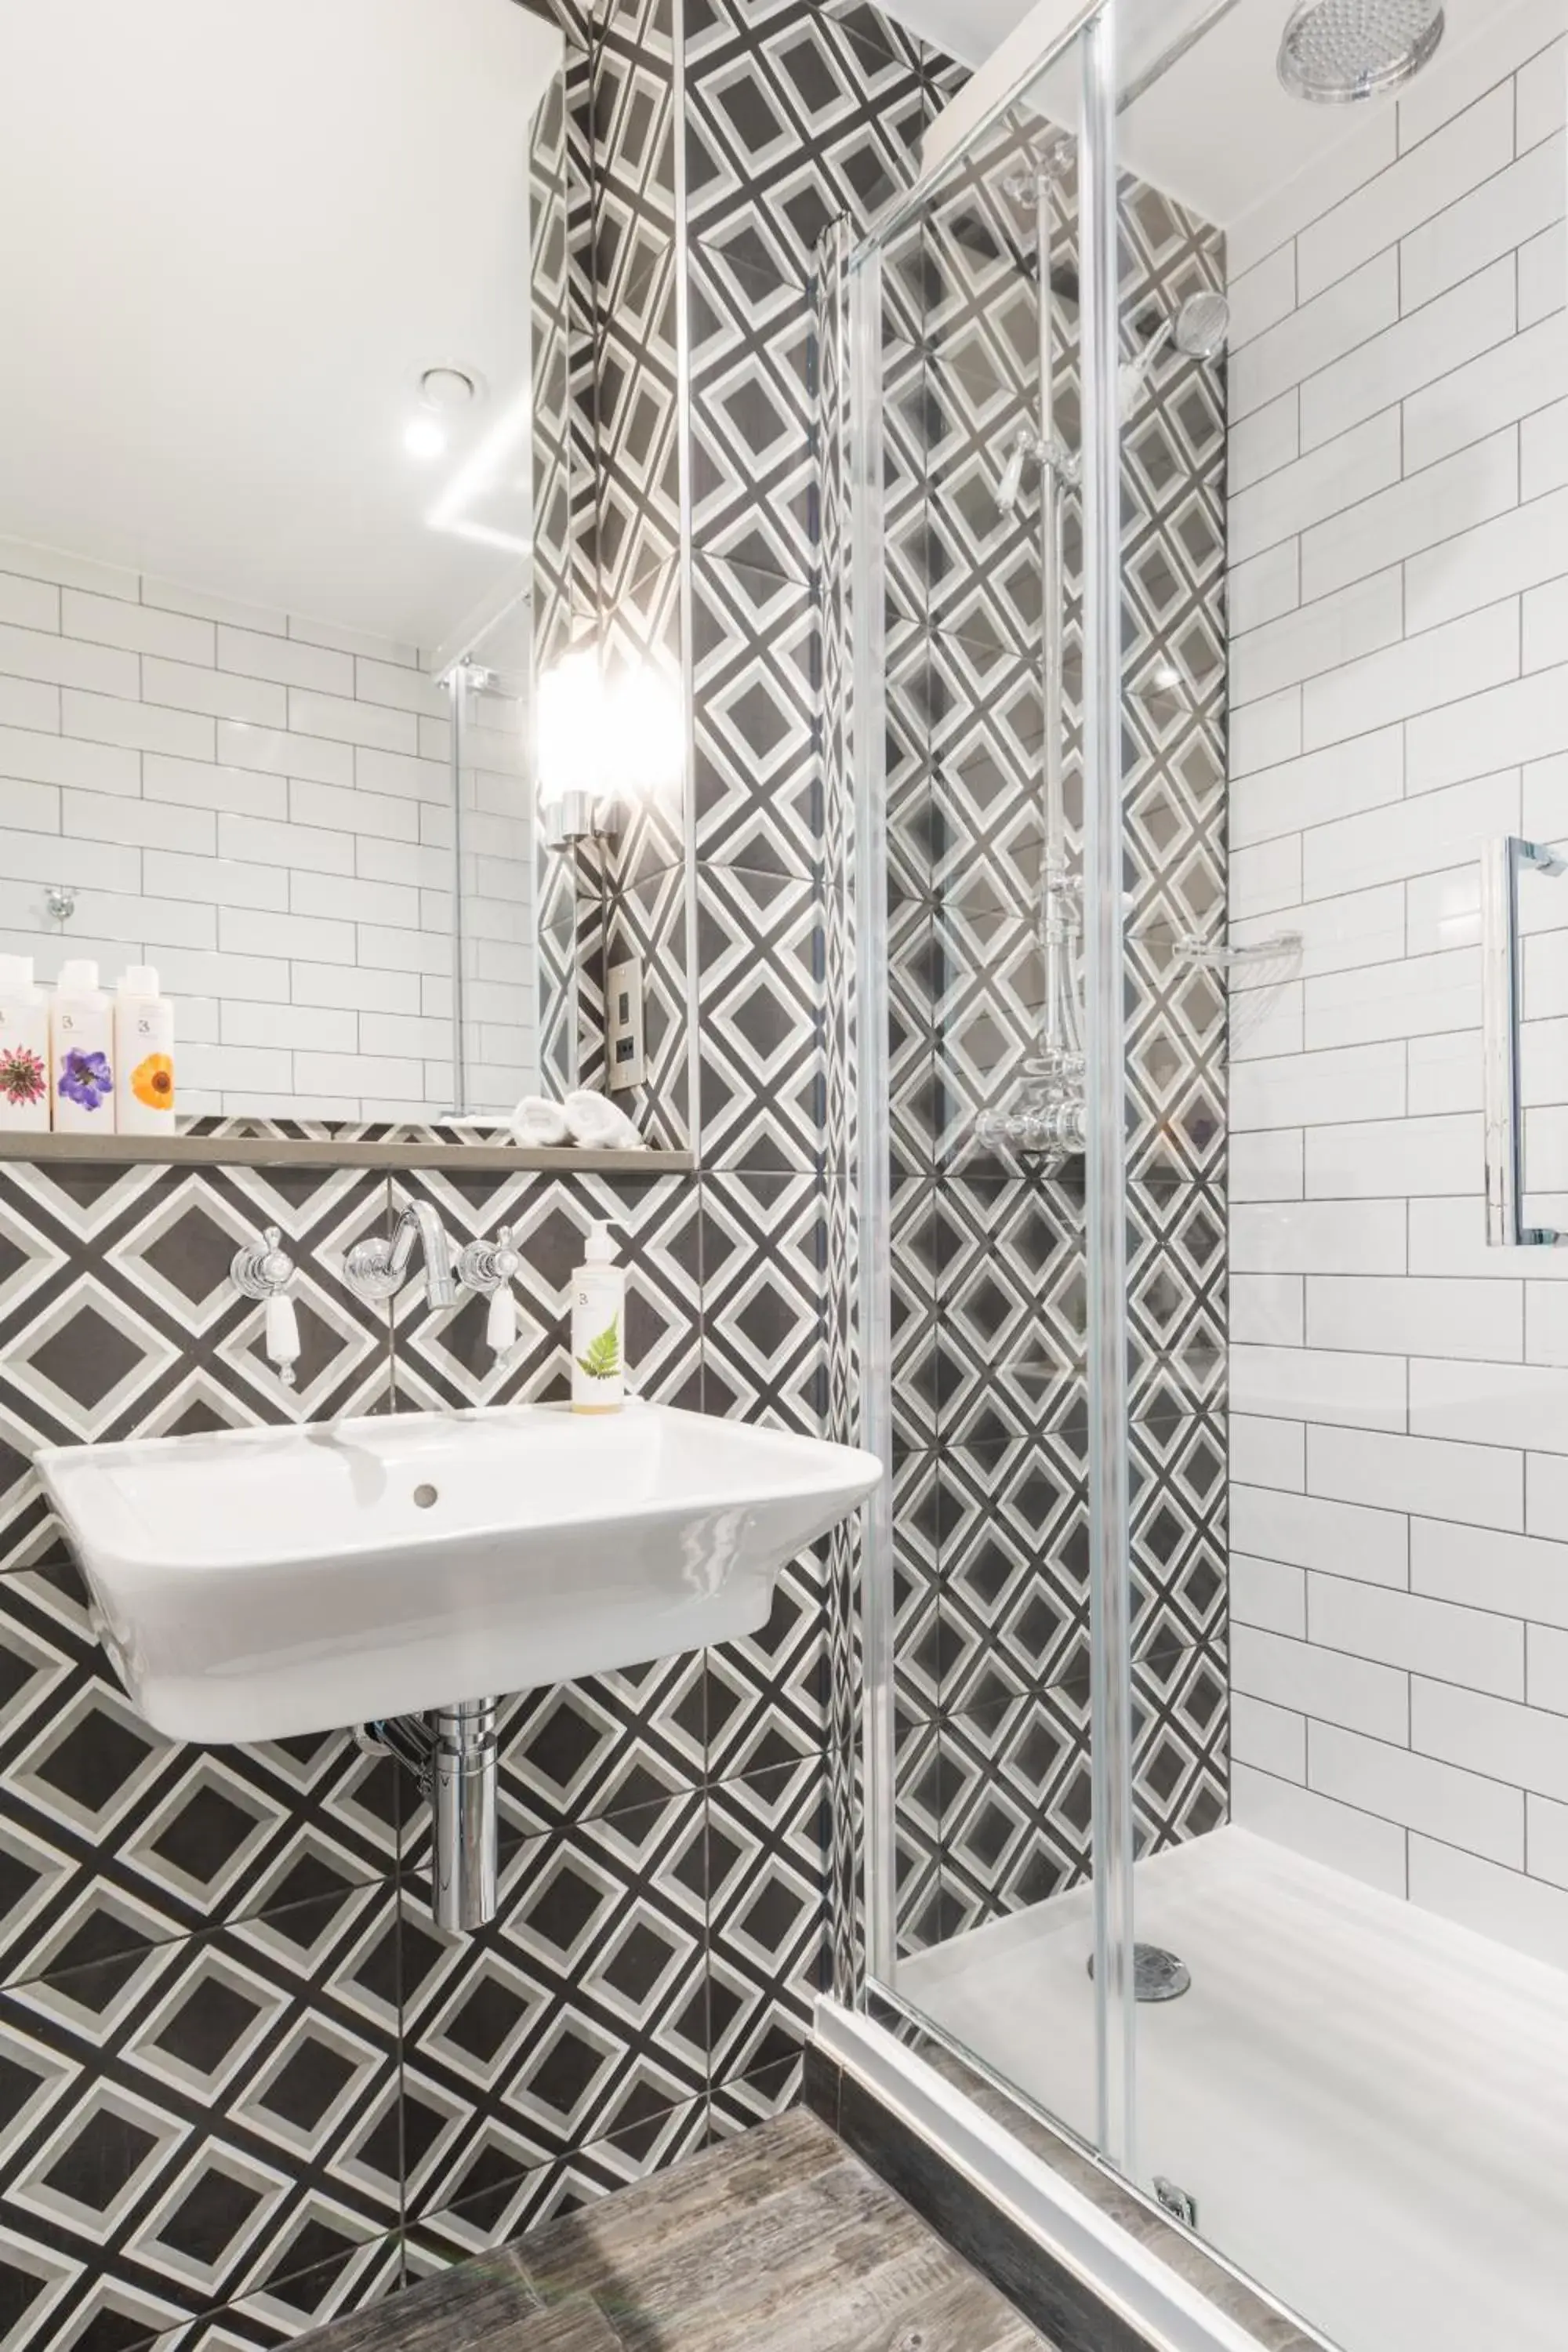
778	2240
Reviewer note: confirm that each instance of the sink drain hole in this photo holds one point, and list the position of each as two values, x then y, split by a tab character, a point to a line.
423	1497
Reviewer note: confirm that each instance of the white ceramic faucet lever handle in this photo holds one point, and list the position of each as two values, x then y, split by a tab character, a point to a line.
282	1336
489	1267
500	1320
266	1274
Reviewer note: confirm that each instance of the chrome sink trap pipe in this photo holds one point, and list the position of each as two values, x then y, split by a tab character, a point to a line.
453	1756
463	1812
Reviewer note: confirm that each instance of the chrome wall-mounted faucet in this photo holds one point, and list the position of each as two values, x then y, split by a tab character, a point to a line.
377	1268
266	1273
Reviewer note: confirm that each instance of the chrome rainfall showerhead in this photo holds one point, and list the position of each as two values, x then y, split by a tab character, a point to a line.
1337	52
1203	326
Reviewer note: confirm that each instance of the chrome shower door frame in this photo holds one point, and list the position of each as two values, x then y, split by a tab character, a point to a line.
1092	30
869	703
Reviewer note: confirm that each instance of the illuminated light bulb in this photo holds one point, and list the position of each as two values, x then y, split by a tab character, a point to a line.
571	712
644	728
600	741
570	739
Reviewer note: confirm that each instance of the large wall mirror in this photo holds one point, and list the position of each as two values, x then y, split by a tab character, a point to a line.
286	504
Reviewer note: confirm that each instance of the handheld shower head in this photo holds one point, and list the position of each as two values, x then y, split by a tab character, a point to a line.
1010	488
1203	326
1133	376
1199	330
1338	52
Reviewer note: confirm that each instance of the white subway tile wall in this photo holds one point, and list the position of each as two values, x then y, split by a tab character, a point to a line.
1399	680
262	808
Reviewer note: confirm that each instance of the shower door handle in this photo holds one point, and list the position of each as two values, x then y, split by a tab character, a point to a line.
1501	862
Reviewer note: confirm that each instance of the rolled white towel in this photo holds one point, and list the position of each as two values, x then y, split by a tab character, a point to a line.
596	1122
540	1125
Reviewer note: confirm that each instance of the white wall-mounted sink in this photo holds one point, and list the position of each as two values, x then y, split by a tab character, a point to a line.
265	1582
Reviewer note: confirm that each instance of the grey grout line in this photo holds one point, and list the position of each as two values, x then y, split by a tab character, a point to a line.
1303	457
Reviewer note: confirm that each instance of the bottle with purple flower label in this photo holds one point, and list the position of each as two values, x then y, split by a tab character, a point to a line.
81	1054
24	1049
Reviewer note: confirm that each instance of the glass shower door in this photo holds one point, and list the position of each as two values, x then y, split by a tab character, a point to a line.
1345	667
986	691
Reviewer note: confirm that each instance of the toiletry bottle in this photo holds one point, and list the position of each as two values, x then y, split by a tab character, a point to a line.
81	1053
598	1327
24	1049
143	1054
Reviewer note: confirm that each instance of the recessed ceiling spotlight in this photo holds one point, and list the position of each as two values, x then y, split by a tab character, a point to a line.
424	437
446	387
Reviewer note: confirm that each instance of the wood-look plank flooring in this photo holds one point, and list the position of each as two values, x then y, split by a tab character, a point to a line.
777	2242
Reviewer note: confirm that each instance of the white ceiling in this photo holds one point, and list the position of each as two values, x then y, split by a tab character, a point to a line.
1215	130
966	29
234	235
1219	132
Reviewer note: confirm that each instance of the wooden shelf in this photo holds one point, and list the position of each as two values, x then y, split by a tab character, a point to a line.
287	1151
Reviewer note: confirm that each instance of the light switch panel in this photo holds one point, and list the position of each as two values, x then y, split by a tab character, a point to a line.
624	1024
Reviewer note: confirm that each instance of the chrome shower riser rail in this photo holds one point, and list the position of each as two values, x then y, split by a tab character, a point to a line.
452	1755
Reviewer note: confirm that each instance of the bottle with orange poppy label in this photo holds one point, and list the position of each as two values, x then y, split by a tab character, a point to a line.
143	1054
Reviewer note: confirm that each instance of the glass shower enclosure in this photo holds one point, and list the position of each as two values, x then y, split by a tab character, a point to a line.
1197	674
1037	460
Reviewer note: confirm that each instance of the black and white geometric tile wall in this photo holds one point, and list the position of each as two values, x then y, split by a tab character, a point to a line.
242	2072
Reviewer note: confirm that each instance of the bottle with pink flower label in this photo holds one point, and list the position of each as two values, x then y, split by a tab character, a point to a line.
24	1049
81	1053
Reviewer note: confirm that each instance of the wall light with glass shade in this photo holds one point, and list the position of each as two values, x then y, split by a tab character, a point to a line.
602	742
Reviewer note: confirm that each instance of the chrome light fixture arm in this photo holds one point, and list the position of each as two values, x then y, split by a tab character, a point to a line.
577	816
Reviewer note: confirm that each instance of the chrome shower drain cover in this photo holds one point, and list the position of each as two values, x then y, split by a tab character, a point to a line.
1156	1975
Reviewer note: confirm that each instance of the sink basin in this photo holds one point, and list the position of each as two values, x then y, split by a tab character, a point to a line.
265	1582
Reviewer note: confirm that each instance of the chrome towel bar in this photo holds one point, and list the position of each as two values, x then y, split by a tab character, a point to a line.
1501	864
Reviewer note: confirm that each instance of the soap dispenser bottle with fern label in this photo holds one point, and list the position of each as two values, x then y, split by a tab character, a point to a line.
598	1327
